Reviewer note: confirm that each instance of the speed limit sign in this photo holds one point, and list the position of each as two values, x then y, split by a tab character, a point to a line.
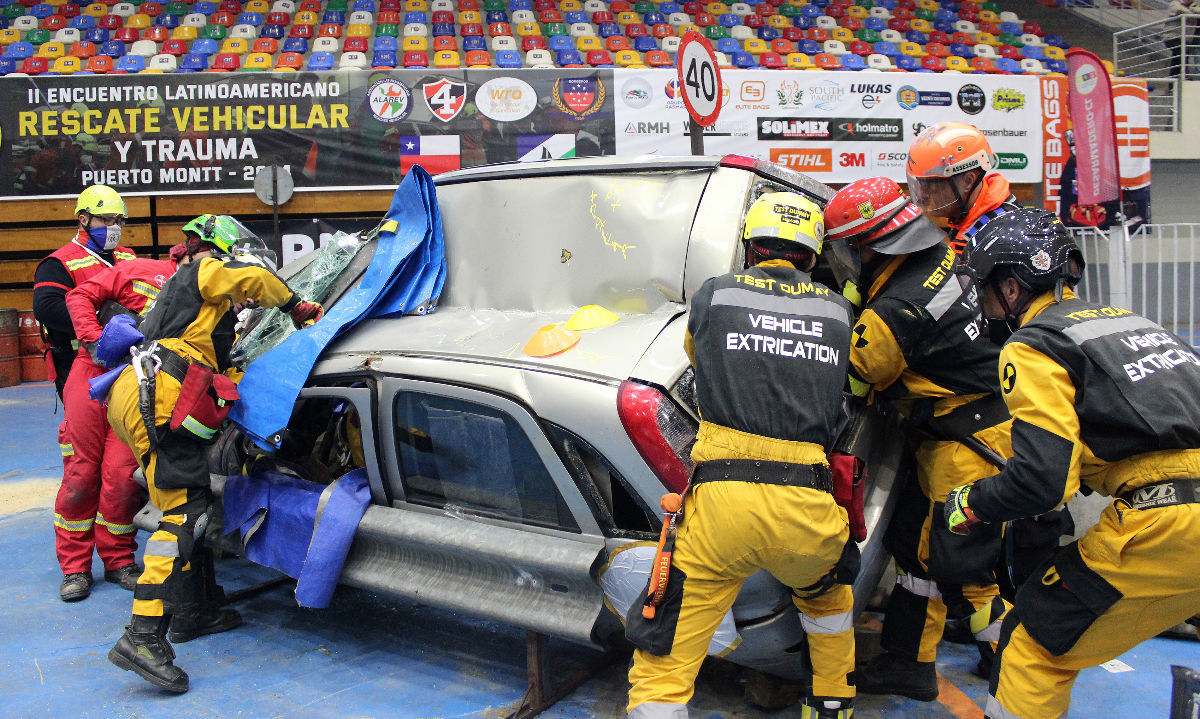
699	78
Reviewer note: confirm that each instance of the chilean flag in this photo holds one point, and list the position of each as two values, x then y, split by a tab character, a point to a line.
436	153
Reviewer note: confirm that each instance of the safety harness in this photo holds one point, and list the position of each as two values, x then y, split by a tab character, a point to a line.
205	396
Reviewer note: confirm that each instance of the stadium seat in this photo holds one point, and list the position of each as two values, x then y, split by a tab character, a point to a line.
1033	66
826	61
1051	52
800	61
235	45
320	61
193	62
955	62
671	44
145	48
933	62
1056	66
289	61
539	58
225	62
413	58
851	61
39	65
878	61
327	44
257	62
658	58
596	58
1054	40
266	45
981	64
67	65
52	50
383	58
353	61
1008	66
82	49
833	47
66	36
860	48
203	46
617	43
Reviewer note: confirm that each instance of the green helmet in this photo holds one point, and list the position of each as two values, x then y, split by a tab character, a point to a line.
222	231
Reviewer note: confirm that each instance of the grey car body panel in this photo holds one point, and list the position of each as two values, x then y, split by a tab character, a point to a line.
637	236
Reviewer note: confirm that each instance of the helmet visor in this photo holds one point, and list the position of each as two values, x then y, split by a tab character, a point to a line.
935	195
253	250
844	261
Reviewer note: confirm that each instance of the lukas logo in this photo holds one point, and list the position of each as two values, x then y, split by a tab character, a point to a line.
863	88
816	160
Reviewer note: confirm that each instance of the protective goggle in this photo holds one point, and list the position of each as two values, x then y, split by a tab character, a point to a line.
110	220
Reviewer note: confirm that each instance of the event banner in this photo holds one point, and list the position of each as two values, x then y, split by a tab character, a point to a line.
1089	96
835	126
1060	187
149	133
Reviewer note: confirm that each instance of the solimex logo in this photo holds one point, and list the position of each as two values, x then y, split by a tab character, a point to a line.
1008	99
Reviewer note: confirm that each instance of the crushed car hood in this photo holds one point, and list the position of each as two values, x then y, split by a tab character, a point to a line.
495	336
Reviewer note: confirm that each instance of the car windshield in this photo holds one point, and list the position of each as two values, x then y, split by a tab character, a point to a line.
546	244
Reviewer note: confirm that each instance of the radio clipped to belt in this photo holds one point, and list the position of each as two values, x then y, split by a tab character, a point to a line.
205	399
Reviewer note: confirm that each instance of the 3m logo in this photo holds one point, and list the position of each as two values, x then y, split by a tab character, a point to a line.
816	160
852	159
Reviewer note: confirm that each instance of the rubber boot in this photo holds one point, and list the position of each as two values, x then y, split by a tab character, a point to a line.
200	619
144	649
893	674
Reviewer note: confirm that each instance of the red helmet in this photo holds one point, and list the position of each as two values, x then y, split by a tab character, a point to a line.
871	212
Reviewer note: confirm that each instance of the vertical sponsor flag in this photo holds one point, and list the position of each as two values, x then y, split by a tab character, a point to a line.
436	153
1089	96
545	147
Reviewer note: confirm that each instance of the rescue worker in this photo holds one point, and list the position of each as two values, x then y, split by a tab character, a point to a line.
950	175
919	343
98	498
167	406
1103	398
100	213
770	350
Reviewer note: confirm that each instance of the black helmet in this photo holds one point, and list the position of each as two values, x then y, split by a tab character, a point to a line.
1032	246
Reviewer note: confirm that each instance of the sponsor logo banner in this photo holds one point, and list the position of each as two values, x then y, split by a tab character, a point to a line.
579	96
389	100
506	99
818	159
445	98
545	147
857	129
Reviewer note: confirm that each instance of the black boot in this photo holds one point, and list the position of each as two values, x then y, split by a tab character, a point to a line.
893	674
826	708
198	620
144	649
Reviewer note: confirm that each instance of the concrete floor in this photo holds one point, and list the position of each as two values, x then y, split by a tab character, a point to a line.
362	657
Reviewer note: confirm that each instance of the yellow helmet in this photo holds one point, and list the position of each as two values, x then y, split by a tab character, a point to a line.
784	216
100	200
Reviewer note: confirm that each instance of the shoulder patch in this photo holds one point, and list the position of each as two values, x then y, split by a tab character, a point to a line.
1008	378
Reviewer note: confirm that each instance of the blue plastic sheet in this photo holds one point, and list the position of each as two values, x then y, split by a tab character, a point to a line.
99	387
406	276
301	528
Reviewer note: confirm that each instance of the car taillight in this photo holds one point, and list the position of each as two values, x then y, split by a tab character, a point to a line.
746	163
662	433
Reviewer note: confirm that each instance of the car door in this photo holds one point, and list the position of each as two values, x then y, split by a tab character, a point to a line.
484	517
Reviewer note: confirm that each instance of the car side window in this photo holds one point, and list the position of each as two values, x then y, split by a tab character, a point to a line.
468	457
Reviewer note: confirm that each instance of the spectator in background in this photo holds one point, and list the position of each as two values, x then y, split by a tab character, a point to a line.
1179	27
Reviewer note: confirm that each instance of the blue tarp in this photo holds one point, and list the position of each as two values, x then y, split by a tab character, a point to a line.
301	528
405	276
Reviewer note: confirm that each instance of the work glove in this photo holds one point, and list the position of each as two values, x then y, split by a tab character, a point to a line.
959	516
306	313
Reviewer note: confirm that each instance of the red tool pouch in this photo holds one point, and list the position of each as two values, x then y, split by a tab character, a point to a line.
205	399
849	480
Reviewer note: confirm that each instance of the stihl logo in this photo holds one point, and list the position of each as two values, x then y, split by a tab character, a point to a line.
852	159
817	160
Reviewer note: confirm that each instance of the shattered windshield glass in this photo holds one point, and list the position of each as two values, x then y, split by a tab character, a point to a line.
269	327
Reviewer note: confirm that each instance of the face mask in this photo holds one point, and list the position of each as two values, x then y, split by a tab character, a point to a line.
104	239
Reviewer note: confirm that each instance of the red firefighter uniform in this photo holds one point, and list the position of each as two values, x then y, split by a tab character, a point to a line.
62	270
193	321
1103	398
770	350
918	342
98	499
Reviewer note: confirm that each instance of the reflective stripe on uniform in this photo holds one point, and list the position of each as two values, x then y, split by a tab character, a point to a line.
67	449
145	289
995	710
73	525
115	528
657	710
920	587
985	622
80	263
162	548
193	426
832	624
944	299
118	255
810	306
1095	329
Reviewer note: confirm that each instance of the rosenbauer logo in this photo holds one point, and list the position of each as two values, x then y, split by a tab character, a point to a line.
815	160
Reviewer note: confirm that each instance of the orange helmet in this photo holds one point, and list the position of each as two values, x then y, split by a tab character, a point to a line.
940	167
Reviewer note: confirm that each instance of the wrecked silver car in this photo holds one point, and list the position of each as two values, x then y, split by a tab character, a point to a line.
511	462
